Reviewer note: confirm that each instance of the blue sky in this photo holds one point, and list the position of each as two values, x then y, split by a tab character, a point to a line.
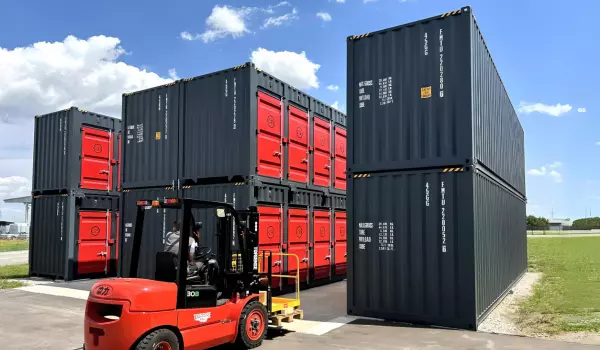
546	52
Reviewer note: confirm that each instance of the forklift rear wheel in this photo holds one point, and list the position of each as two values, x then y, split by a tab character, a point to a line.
160	339
253	325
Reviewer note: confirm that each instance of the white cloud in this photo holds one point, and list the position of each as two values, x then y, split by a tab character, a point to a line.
555	175
326	17
189	36
545	171
223	21
368	1
48	76
581	110
294	68
277	21
333	87
173	74
270	9
598	143
556	111
340	1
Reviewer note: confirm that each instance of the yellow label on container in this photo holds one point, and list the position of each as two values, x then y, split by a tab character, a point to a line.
426	92
158	135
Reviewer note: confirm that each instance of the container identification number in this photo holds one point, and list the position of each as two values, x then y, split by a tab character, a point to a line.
426	45
443	217
427	194
234	102
441	63
363	239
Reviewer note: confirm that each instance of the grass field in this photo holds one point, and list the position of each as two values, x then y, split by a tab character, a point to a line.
13	245
568	297
12	271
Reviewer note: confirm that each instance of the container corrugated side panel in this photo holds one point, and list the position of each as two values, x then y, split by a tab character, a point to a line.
391	124
48	236
500	241
50	156
150	137
416	281
217	126
157	222
498	135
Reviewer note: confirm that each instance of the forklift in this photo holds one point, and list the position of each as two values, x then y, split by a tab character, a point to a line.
218	298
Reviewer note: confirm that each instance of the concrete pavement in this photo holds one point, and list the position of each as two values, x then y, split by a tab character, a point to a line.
36	320
14	258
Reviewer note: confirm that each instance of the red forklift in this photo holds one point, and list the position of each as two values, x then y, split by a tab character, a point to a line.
217	299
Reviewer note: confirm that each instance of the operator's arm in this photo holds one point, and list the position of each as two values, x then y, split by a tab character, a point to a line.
192	246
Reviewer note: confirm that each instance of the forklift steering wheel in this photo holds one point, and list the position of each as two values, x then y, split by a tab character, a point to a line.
202	252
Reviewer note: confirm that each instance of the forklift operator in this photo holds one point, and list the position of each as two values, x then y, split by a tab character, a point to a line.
172	242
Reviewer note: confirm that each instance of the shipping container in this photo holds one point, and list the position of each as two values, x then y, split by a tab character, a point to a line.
439	247
428	94
76	149
238	124
74	236
151	142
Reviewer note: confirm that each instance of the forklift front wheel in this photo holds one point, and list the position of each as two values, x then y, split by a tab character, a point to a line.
253	324
160	339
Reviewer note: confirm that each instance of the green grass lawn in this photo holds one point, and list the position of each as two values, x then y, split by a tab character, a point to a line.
13	245
12	271
568	297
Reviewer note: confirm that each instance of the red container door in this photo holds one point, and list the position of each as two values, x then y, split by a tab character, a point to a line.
322	153
340	243
340	158
298	243
269	133
298	145
93	244
322	244
269	239
96	153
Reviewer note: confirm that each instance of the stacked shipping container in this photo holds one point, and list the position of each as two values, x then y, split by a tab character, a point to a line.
244	137
75	207
437	186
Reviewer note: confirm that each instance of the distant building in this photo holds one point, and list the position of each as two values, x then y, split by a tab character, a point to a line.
559	225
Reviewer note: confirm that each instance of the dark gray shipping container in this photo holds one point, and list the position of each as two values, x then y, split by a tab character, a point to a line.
438	247
76	149
151	141
158	222
427	94
236	124
73	236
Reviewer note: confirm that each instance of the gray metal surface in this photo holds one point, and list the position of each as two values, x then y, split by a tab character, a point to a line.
54	233
432	246
427	94
150	142
57	149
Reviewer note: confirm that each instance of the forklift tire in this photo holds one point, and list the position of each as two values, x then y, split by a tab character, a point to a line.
160	339
252	327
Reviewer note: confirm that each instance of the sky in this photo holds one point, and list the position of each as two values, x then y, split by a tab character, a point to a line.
57	54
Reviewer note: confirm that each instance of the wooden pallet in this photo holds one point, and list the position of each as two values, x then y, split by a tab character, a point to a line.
278	318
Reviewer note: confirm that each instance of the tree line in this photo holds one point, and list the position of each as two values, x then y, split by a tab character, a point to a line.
542	223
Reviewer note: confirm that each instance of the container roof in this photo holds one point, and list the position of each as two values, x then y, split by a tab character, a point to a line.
24	200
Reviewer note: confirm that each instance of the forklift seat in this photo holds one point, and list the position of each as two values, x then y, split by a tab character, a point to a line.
166	267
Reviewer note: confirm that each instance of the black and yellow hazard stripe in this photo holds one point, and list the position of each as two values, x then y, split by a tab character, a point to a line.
355	37
239	183
452	170
451	13
361	176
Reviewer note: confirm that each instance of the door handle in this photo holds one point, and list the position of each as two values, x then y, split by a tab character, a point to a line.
277	263
304	260
305	161
277	154
328	257
345	255
104	171
101	254
327	167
